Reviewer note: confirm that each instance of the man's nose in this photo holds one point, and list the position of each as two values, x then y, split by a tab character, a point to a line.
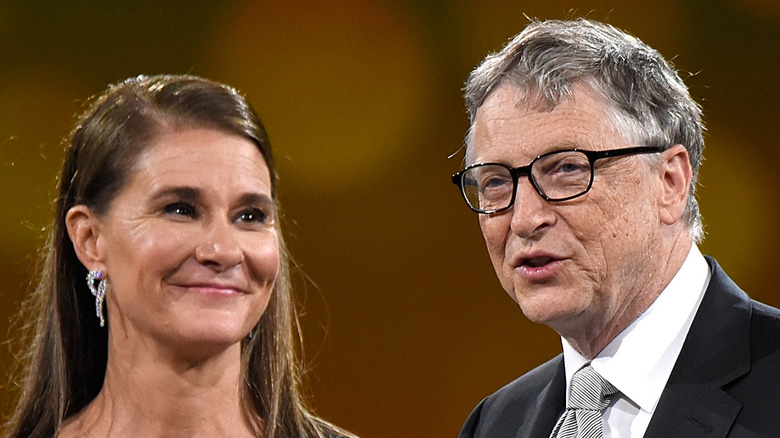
531	214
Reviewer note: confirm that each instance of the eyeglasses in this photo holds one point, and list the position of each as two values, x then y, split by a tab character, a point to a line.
556	176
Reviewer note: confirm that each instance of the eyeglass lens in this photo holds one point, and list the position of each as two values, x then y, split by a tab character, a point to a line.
556	176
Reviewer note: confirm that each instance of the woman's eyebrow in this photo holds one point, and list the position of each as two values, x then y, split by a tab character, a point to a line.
183	192
255	198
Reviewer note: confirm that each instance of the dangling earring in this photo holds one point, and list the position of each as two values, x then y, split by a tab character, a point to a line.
97	285
253	332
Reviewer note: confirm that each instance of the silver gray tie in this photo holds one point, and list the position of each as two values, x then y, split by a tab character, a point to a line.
589	396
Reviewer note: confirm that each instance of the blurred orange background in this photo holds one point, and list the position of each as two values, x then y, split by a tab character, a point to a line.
405	325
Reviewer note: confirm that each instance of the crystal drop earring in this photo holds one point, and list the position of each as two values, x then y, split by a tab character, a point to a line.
97	284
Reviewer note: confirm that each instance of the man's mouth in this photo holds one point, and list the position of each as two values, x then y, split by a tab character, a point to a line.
535	262
539	266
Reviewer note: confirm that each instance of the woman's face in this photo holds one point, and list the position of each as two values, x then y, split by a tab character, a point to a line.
189	245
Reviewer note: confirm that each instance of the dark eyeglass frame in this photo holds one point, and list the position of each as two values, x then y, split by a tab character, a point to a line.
517	172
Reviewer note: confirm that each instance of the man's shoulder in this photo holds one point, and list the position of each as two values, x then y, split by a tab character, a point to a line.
765	337
531	401
726	375
766	312
529	385
763	317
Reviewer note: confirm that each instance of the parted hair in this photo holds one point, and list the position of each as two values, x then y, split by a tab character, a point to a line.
65	364
645	96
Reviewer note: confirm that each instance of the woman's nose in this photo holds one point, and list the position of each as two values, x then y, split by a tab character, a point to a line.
219	246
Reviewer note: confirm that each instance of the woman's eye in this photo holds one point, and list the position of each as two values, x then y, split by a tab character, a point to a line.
180	209
253	216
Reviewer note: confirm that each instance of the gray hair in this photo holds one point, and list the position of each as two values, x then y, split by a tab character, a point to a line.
648	102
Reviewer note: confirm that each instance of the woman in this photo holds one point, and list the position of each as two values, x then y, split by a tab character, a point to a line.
164	307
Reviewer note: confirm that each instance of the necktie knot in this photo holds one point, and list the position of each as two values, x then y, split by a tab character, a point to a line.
589	396
589	390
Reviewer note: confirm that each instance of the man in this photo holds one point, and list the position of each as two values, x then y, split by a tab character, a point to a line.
582	159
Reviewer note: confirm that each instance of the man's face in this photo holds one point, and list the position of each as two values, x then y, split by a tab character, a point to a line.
579	266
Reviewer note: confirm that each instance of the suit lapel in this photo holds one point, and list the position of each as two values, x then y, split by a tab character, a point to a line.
715	353
550	404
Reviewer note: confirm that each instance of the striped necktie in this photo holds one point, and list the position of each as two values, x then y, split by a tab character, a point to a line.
588	397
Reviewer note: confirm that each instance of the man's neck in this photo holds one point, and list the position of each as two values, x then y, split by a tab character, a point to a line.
589	339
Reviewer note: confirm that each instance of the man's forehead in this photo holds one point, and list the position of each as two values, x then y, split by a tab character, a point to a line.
533	99
508	122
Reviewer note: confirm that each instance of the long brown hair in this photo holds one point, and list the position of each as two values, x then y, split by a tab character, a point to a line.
67	359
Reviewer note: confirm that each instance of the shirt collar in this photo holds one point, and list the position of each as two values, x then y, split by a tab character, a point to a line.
640	359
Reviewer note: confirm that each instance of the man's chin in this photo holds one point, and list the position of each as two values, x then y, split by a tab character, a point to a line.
558	316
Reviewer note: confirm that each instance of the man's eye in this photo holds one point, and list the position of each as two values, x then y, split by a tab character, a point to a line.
566	165
569	168
496	182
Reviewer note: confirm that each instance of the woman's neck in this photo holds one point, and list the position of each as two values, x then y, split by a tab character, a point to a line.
153	392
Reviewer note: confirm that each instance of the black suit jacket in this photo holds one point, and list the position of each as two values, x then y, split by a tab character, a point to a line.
725	383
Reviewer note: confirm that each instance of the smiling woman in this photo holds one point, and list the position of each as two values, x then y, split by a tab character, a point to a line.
189	245
185	323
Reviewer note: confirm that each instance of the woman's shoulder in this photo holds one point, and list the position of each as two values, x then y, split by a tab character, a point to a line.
340	435
337	432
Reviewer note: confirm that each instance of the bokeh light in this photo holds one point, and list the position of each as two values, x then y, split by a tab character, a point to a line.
406	327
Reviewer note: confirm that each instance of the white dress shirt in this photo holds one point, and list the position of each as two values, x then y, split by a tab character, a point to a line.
640	359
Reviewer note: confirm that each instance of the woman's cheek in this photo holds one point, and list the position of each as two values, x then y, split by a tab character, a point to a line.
264	258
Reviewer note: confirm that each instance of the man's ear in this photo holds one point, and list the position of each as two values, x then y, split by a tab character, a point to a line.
84	228
676	174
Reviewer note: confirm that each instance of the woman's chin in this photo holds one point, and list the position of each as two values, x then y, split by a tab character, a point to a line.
208	339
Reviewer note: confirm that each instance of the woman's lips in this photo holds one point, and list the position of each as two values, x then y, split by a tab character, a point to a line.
213	289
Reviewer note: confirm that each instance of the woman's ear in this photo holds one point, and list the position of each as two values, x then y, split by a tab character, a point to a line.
84	228
676	174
